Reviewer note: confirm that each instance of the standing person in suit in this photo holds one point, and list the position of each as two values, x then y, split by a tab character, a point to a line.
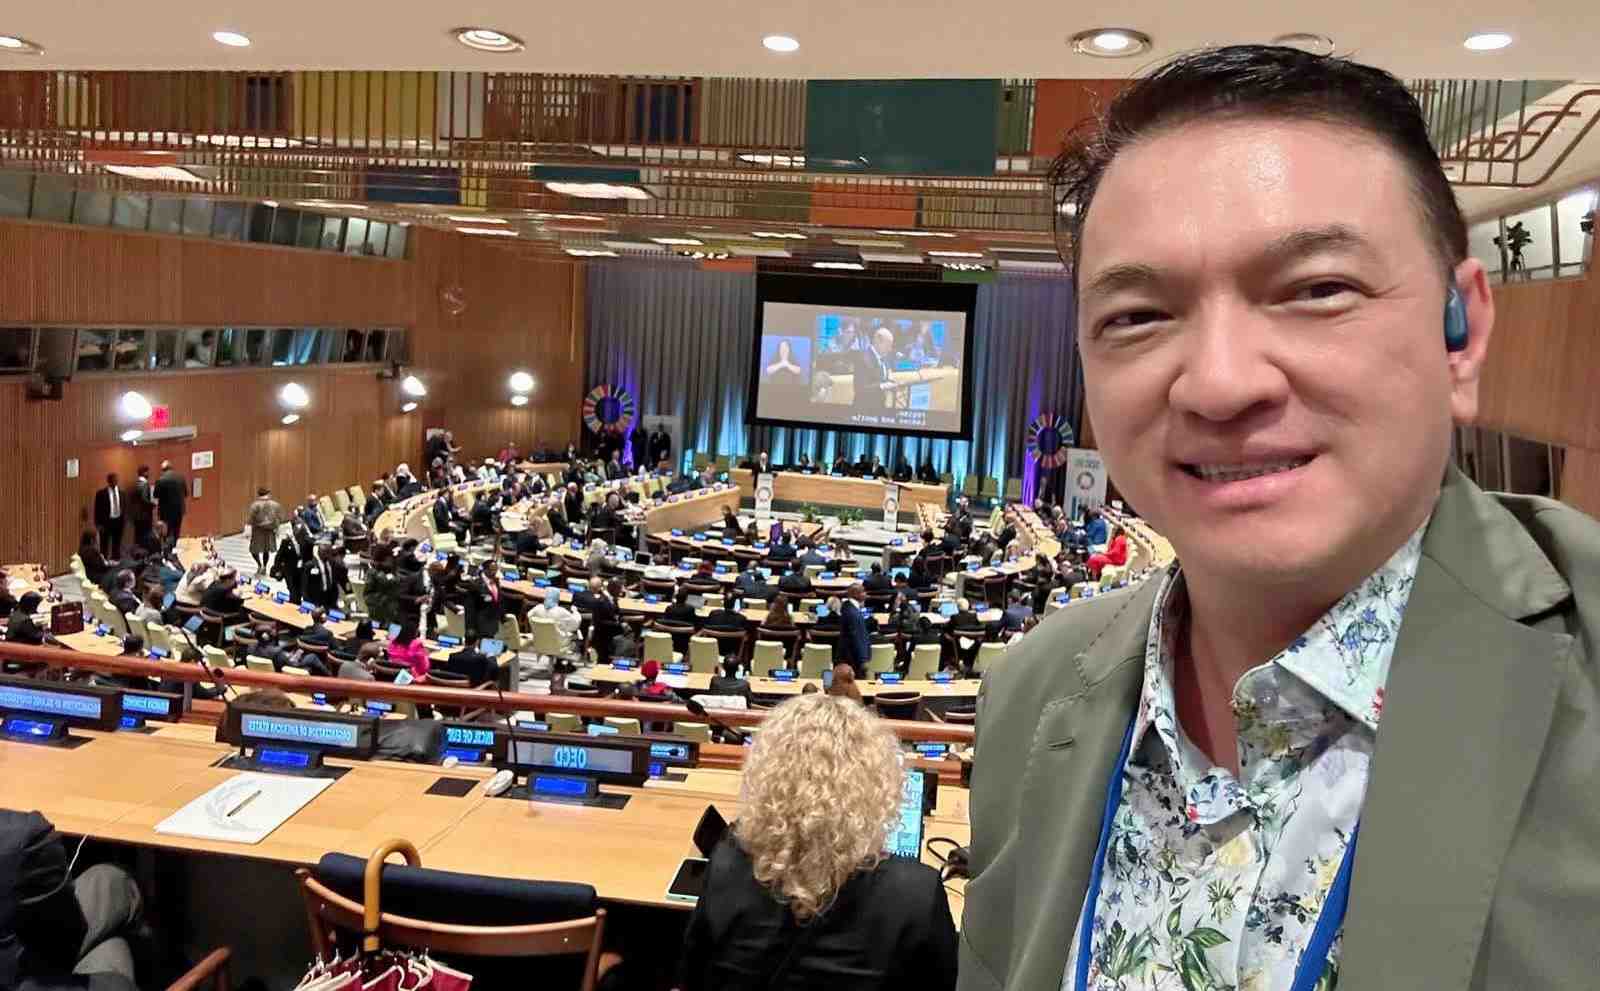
109	516
323	577
870	369
794	899
600	603
310	515
572	504
614	469
854	646
1427	650
485	608
262	520
141	505
660	446
172	499
287	563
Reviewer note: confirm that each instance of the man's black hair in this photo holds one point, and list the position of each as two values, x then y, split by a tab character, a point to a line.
1240	81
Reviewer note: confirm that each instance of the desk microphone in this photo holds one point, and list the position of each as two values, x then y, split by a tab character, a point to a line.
697	708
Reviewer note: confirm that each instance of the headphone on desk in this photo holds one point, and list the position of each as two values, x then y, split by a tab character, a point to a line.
1456	332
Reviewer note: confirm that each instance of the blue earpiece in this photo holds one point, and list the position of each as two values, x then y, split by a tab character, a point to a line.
1455	320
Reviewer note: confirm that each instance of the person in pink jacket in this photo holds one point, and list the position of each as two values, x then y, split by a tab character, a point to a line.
408	651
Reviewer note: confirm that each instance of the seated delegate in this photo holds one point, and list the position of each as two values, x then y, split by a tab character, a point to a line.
794	899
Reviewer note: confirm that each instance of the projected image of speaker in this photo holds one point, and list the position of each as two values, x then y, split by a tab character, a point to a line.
864	354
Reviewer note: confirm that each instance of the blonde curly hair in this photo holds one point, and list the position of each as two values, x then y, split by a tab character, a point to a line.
821	787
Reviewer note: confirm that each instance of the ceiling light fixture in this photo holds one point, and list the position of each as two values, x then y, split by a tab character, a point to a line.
232	39
783	161
781	43
780	235
1306	41
955	254
944	234
154	173
846	266
492	231
10	44
294	396
597	190
590	253
134	406
474	220
129	436
1110	42
408	407
488	40
686	241
412	386
1012	250
1489	41
519	400
290	419
521	382
329	205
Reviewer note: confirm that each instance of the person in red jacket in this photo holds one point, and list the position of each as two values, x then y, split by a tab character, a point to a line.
1116	553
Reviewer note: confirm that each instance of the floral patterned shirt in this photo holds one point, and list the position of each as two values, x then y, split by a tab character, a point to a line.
1215	882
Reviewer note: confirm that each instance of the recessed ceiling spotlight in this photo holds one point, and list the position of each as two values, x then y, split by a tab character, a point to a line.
134	406
1306	41
519	400
328	205
290	419
232	39
408	407
412	386
10	44
294	396
590	253
1110	42
780	43
1489	41
129	436
474	220
521	382
488	40
686	241
779	235
955	254
495	231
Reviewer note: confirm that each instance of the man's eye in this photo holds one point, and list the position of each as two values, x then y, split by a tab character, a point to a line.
1132	318
1328	289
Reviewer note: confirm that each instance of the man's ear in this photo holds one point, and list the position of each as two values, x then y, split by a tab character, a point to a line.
1466	365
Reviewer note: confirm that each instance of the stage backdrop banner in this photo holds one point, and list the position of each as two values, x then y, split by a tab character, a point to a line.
1086	480
891	505
764	482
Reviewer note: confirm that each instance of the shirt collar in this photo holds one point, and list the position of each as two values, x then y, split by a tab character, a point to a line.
1344	655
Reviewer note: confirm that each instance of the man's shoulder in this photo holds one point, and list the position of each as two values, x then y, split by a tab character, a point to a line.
1071	650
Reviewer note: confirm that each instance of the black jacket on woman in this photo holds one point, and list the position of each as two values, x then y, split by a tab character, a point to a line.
887	928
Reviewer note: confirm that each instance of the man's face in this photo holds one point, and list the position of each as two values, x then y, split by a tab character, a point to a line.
1261	330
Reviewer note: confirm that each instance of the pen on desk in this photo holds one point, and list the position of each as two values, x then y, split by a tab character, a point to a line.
240	807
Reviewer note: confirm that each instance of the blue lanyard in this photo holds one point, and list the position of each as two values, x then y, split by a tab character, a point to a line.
1312	962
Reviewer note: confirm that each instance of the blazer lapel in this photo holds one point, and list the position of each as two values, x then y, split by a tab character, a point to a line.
1466	712
1063	791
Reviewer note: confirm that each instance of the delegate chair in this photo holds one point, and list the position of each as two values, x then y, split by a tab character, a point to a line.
658	647
817	657
788	638
700	732
625	725
899	705
497	923
989	654
768	654
924	661
969	486
988	488
881	659
563	722
341	501
1013	490
703	655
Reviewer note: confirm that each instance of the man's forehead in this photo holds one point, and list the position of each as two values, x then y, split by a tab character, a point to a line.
1203	188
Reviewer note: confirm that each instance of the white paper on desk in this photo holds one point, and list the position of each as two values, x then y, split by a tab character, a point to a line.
207	817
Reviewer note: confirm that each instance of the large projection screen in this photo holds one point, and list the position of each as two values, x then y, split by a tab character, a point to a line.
857	354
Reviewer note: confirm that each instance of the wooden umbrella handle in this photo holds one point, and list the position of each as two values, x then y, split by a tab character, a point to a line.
370	910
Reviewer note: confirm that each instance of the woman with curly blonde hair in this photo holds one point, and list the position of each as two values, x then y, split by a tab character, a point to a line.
800	893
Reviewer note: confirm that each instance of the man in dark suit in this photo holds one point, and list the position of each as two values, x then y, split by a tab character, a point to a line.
604	624
681	612
472	663
724	618
783	551
795	582
485	605
572	504
965	624
871	369
809	555
902	470
109	516
854	645
377	501
484	514
408	484
528	542
660	446
172	499
927	475
558	522
20	626
122	596
221	596
311	515
446	519
322	578
317	633
878	581
142	503
614	469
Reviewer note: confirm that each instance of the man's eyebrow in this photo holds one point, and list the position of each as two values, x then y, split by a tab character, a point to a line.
1128	275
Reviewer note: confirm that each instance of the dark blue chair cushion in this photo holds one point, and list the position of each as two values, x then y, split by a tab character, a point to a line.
461	899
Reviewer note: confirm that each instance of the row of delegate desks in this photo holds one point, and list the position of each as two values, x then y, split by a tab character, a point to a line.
838	490
118	786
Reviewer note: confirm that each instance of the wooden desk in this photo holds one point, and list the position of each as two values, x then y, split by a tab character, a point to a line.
695	682
691	510
827	490
88	642
20	579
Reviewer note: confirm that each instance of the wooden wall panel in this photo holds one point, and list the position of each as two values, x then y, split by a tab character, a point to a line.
1061	104
520	313
1539	380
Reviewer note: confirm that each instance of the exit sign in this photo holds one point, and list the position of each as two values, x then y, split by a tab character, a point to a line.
160	417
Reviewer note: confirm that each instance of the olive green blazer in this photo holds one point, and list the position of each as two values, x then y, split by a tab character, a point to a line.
1479	864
